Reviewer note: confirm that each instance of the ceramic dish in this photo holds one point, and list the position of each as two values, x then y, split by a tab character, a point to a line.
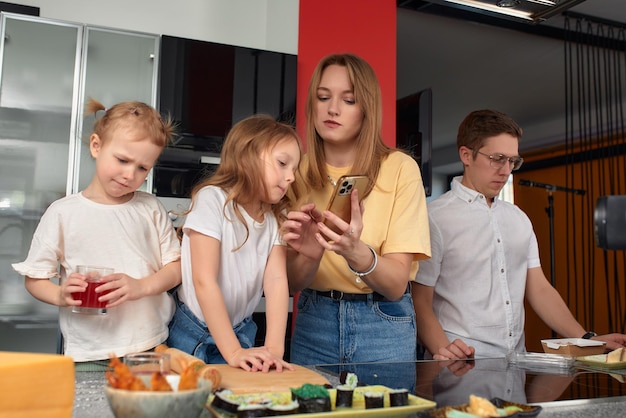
358	404
528	411
148	404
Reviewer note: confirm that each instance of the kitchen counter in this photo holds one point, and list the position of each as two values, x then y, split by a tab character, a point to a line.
568	393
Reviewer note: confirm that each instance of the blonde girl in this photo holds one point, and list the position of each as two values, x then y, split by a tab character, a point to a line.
232	252
112	224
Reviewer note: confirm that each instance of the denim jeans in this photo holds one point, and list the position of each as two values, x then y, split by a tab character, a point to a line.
339	332
190	334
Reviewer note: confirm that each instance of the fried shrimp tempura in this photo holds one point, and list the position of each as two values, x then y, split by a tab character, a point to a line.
121	377
158	383
482	407
188	379
212	374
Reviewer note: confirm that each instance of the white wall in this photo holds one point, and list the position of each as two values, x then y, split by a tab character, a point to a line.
262	24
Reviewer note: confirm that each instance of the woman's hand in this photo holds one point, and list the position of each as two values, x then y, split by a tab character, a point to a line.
344	244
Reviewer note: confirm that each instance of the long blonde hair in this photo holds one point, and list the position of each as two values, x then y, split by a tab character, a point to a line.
371	150
240	172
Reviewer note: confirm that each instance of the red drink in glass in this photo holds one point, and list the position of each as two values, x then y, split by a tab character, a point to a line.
89	297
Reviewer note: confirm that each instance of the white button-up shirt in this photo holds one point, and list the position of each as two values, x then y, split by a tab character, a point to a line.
480	258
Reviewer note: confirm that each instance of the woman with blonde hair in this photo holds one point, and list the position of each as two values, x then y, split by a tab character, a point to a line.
355	302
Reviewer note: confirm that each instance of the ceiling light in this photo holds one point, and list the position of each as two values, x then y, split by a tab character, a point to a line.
528	11
545	2
508	3
491	7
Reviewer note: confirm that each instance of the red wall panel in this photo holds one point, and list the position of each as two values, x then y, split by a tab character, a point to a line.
363	27
366	28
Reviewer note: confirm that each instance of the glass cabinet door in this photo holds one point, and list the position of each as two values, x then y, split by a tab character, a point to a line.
117	66
38	79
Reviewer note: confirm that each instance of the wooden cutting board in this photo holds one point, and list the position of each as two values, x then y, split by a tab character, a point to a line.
241	381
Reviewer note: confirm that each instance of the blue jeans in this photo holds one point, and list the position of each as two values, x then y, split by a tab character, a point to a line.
340	332
190	334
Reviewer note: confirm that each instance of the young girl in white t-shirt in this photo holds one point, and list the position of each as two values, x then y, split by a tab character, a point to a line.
232	252
111	224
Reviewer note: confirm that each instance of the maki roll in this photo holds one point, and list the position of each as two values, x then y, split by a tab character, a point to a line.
374	400
345	390
251	410
283	409
398	397
344	396
222	401
311	398
347	378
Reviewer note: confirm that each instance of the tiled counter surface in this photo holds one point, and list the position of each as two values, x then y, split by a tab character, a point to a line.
585	408
90	402
89	397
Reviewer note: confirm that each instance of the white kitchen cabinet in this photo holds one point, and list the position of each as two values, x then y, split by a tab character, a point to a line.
117	66
48	69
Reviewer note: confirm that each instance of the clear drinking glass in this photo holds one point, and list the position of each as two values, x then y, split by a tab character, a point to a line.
89	297
148	363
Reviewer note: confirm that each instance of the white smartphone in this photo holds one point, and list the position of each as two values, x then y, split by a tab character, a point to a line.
339	203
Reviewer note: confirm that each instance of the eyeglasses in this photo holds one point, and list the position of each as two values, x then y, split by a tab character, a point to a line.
498	161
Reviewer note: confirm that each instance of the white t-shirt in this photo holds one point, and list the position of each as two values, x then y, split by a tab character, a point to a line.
136	238
240	276
480	259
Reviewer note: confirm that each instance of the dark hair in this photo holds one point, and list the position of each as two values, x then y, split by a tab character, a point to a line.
240	172
134	114
482	124
371	150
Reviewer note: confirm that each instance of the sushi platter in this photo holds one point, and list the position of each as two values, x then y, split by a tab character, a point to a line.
232	401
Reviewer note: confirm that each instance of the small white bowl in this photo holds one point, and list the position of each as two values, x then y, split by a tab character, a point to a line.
147	404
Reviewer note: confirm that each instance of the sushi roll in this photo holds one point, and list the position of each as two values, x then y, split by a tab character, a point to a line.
283	409
398	397
344	396
251	410
347	378
222	401
374	400
311	398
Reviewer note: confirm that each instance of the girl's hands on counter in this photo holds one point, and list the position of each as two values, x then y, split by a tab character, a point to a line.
258	359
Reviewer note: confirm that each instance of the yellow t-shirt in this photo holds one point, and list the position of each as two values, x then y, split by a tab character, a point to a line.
395	221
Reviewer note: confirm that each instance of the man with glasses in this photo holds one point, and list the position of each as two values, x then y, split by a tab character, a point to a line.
469	297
